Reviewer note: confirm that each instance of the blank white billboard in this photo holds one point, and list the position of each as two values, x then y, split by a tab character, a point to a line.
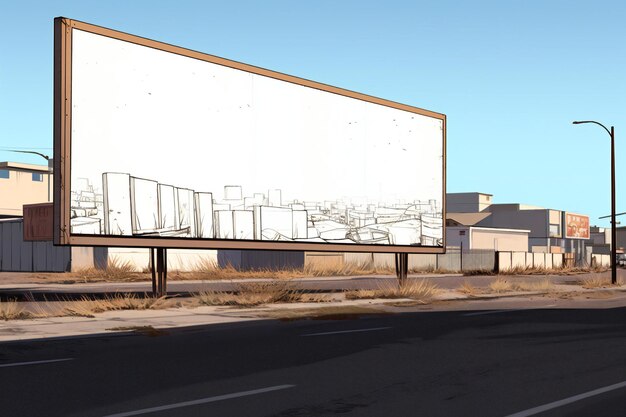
280	159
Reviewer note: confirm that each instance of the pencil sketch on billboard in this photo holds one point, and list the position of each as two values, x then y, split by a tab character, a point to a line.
169	145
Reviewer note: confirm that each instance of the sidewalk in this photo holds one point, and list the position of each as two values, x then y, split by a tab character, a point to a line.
16	288
157	322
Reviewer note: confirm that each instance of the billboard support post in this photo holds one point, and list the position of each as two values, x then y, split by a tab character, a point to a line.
461	254
402	267
158	270
153	272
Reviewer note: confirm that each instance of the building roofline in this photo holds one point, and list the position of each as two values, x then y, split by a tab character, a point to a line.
23	167
497	229
472	192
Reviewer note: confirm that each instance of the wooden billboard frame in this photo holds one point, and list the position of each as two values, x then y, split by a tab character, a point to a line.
62	153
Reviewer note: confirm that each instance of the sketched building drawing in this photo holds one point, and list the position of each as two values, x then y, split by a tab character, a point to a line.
131	206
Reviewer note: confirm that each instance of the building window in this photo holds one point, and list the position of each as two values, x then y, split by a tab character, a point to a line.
4	173
555	230
37	176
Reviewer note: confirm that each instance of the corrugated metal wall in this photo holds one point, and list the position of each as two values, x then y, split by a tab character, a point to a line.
19	256
248	260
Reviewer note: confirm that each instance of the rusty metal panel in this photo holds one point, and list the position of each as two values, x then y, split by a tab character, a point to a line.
38	222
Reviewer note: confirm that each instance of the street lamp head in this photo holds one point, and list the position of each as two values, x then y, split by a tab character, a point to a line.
578	122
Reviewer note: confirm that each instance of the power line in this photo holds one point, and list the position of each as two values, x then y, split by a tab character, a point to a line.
617	214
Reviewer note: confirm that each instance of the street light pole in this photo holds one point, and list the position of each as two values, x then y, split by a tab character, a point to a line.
613	222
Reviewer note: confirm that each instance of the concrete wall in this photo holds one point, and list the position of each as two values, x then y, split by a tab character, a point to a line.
598	260
88	257
511	260
177	259
450	261
424	261
20	256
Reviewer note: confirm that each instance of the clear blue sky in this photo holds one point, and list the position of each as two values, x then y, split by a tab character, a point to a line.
510	75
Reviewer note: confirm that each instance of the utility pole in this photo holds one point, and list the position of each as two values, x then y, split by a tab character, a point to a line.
613	222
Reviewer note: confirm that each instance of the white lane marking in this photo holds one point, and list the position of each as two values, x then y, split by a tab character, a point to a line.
6	365
569	400
481	313
201	401
347	331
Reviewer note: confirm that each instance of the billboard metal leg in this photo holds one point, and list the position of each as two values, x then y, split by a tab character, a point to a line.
152	264
164	289
402	267
159	280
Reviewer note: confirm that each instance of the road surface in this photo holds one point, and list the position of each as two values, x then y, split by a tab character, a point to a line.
546	362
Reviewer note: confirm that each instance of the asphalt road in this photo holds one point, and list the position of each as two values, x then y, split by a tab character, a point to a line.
490	363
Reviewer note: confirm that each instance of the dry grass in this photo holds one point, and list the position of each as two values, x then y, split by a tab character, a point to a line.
207	270
500	285
349	269
116	270
430	269
479	272
252	294
87	306
468	288
11	310
597	281
416	290
543	285
527	270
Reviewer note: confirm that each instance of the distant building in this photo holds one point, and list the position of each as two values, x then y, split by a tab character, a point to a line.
487	238
23	184
467	202
546	227
620	235
600	240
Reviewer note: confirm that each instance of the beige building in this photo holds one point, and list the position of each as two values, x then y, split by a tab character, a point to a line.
23	184
496	239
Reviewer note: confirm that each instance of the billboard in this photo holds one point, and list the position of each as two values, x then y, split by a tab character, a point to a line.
576	226
161	146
